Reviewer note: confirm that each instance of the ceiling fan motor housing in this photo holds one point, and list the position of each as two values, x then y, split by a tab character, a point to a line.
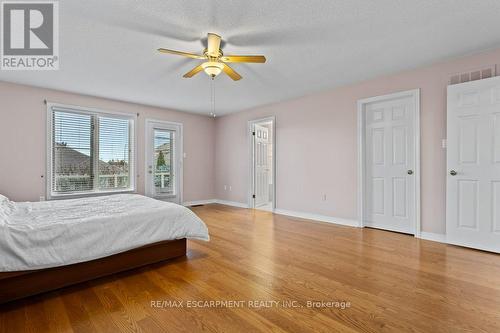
220	54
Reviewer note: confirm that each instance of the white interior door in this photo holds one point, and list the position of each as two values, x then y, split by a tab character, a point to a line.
389	167
262	166
164	161
473	154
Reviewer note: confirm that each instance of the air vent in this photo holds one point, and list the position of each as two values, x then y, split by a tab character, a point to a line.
474	74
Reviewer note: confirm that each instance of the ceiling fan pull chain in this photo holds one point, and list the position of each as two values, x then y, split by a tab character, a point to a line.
213	97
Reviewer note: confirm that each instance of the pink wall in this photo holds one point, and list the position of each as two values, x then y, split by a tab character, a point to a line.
316	142
22	141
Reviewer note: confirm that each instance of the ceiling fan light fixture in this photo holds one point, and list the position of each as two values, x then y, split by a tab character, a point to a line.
212	68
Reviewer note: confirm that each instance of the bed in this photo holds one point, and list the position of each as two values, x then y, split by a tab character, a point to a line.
51	244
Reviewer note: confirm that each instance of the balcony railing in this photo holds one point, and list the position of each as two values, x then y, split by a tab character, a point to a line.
84	182
162	181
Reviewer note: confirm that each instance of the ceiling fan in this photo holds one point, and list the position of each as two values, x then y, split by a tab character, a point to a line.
215	59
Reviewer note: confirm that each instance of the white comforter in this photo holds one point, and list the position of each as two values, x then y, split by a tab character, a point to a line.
62	232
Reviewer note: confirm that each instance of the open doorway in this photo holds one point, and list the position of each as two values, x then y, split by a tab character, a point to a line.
262	164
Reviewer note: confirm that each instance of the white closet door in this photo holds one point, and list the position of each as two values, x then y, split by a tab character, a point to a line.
262	168
390	164
473	184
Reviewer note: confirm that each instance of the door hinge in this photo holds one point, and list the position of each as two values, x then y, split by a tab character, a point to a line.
253	133
253	196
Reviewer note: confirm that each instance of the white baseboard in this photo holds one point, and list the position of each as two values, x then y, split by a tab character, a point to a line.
231	203
308	216
213	201
318	217
441	238
198	202
431	236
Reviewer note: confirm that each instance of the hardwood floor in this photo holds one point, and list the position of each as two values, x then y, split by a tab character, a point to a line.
393	282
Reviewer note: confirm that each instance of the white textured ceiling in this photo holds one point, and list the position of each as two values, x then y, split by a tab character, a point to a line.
108	47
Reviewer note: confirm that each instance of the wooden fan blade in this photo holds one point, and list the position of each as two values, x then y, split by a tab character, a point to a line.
243	58
194	71
213	45
231	73
185	54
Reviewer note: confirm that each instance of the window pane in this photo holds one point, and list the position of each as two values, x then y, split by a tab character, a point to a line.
72	162
163	171
114	153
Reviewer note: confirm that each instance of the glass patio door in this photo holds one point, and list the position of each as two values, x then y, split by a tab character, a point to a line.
163	161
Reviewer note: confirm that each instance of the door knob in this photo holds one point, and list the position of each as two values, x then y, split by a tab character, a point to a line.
453	173
410	172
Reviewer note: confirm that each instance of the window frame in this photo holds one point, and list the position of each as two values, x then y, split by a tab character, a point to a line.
50	195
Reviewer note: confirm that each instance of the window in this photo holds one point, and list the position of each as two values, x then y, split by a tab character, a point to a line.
163	161
90	151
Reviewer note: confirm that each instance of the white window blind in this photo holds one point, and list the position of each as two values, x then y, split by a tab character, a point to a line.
90	152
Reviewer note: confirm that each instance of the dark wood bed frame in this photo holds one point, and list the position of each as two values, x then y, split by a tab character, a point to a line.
15	285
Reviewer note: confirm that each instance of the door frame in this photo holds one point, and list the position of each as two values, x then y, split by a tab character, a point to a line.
251	176
415	94
180	167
